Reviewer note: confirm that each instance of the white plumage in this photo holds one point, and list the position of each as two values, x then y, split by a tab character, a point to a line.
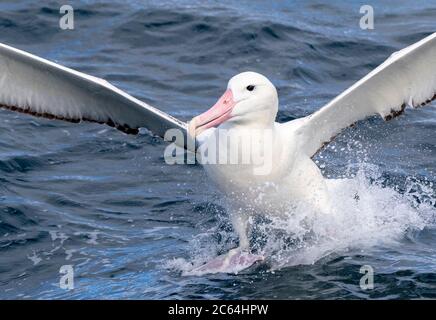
33	85
40	87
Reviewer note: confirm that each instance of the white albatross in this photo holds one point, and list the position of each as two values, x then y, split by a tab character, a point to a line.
39	87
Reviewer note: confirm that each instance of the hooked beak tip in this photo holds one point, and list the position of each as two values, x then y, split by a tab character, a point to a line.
213	117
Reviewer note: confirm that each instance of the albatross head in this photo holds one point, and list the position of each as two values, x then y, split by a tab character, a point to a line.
250	100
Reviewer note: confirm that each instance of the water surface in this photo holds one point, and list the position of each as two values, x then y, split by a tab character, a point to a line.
89	196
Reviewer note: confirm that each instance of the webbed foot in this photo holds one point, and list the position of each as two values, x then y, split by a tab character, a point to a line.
233	261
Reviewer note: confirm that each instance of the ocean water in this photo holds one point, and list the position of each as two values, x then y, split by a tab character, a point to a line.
106	203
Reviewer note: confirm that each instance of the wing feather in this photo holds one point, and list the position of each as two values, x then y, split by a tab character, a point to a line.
406	78
39	87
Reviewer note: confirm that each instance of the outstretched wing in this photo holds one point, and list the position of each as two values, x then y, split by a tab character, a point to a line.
36	86
407	77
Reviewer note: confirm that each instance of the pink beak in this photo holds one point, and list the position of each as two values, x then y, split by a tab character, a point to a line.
213	117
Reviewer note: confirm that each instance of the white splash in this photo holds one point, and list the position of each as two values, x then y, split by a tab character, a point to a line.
365	214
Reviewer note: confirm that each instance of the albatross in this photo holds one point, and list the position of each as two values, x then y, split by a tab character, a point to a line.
33	85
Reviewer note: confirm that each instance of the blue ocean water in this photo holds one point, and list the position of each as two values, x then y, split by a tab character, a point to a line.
106	203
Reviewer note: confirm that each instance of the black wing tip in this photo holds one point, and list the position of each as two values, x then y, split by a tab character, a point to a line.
123	128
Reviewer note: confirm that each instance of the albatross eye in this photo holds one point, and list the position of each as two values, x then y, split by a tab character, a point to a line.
250	87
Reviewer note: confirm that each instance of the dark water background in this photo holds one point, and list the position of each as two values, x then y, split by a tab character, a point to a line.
106	203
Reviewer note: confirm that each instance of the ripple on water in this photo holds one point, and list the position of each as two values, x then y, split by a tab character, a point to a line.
106	203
